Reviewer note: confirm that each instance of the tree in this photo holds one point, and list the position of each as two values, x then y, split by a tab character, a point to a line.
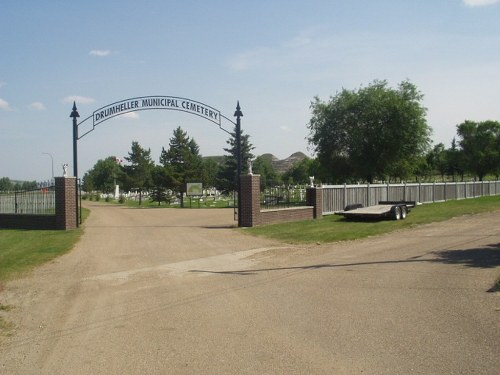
268	177
437	160
139	170
6	184
209	171
455	158
159	195
227	179
371	133
480	145
300	172
182	160
103	176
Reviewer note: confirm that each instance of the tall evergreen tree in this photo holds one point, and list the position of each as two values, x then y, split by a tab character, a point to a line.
182	160
227	180
140	168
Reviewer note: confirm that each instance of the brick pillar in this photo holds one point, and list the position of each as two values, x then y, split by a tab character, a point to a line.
314	197
250	200
66	203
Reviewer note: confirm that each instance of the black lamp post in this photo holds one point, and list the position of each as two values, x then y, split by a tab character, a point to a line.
238	114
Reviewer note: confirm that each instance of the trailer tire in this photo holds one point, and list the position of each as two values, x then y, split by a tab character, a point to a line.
404	212
396	213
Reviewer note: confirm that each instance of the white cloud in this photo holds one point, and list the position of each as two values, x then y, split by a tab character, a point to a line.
131	115
479	3
37	106
100	52
5	105
78	99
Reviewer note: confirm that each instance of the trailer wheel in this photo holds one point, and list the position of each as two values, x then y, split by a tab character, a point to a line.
404	212
396	213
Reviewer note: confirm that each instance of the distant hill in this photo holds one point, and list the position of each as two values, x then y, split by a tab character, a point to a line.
280	166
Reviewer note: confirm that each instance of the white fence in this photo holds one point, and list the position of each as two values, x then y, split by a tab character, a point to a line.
40	201
336	197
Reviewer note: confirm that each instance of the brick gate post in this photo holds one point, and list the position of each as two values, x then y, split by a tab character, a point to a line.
250	200
66	209
314	197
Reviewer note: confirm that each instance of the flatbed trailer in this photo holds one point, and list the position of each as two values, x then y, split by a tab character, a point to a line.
384	210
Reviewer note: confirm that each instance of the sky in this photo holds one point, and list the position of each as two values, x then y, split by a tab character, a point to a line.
273	56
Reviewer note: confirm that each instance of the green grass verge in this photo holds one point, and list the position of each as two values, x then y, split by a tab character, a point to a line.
335	228
23	250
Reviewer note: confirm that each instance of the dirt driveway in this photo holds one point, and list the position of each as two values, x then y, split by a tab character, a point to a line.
181	292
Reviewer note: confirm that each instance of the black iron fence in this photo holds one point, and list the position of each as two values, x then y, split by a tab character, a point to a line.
39	202
283	197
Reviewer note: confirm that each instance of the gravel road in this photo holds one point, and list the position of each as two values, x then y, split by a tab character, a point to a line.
168	291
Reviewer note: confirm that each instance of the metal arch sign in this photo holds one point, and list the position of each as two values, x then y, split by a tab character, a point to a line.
156	102
153	102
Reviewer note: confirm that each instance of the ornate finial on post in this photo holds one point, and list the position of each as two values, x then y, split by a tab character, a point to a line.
238	112
250	164
74	113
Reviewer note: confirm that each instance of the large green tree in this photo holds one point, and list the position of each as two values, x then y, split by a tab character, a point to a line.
480	144
375	132
103	176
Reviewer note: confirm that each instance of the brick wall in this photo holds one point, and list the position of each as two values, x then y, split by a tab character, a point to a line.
66	210
27	221
285	215
252	215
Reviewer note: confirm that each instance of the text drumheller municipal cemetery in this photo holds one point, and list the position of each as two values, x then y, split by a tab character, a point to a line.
157	102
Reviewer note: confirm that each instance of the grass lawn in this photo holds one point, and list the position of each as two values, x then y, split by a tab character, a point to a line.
22	250
334	228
